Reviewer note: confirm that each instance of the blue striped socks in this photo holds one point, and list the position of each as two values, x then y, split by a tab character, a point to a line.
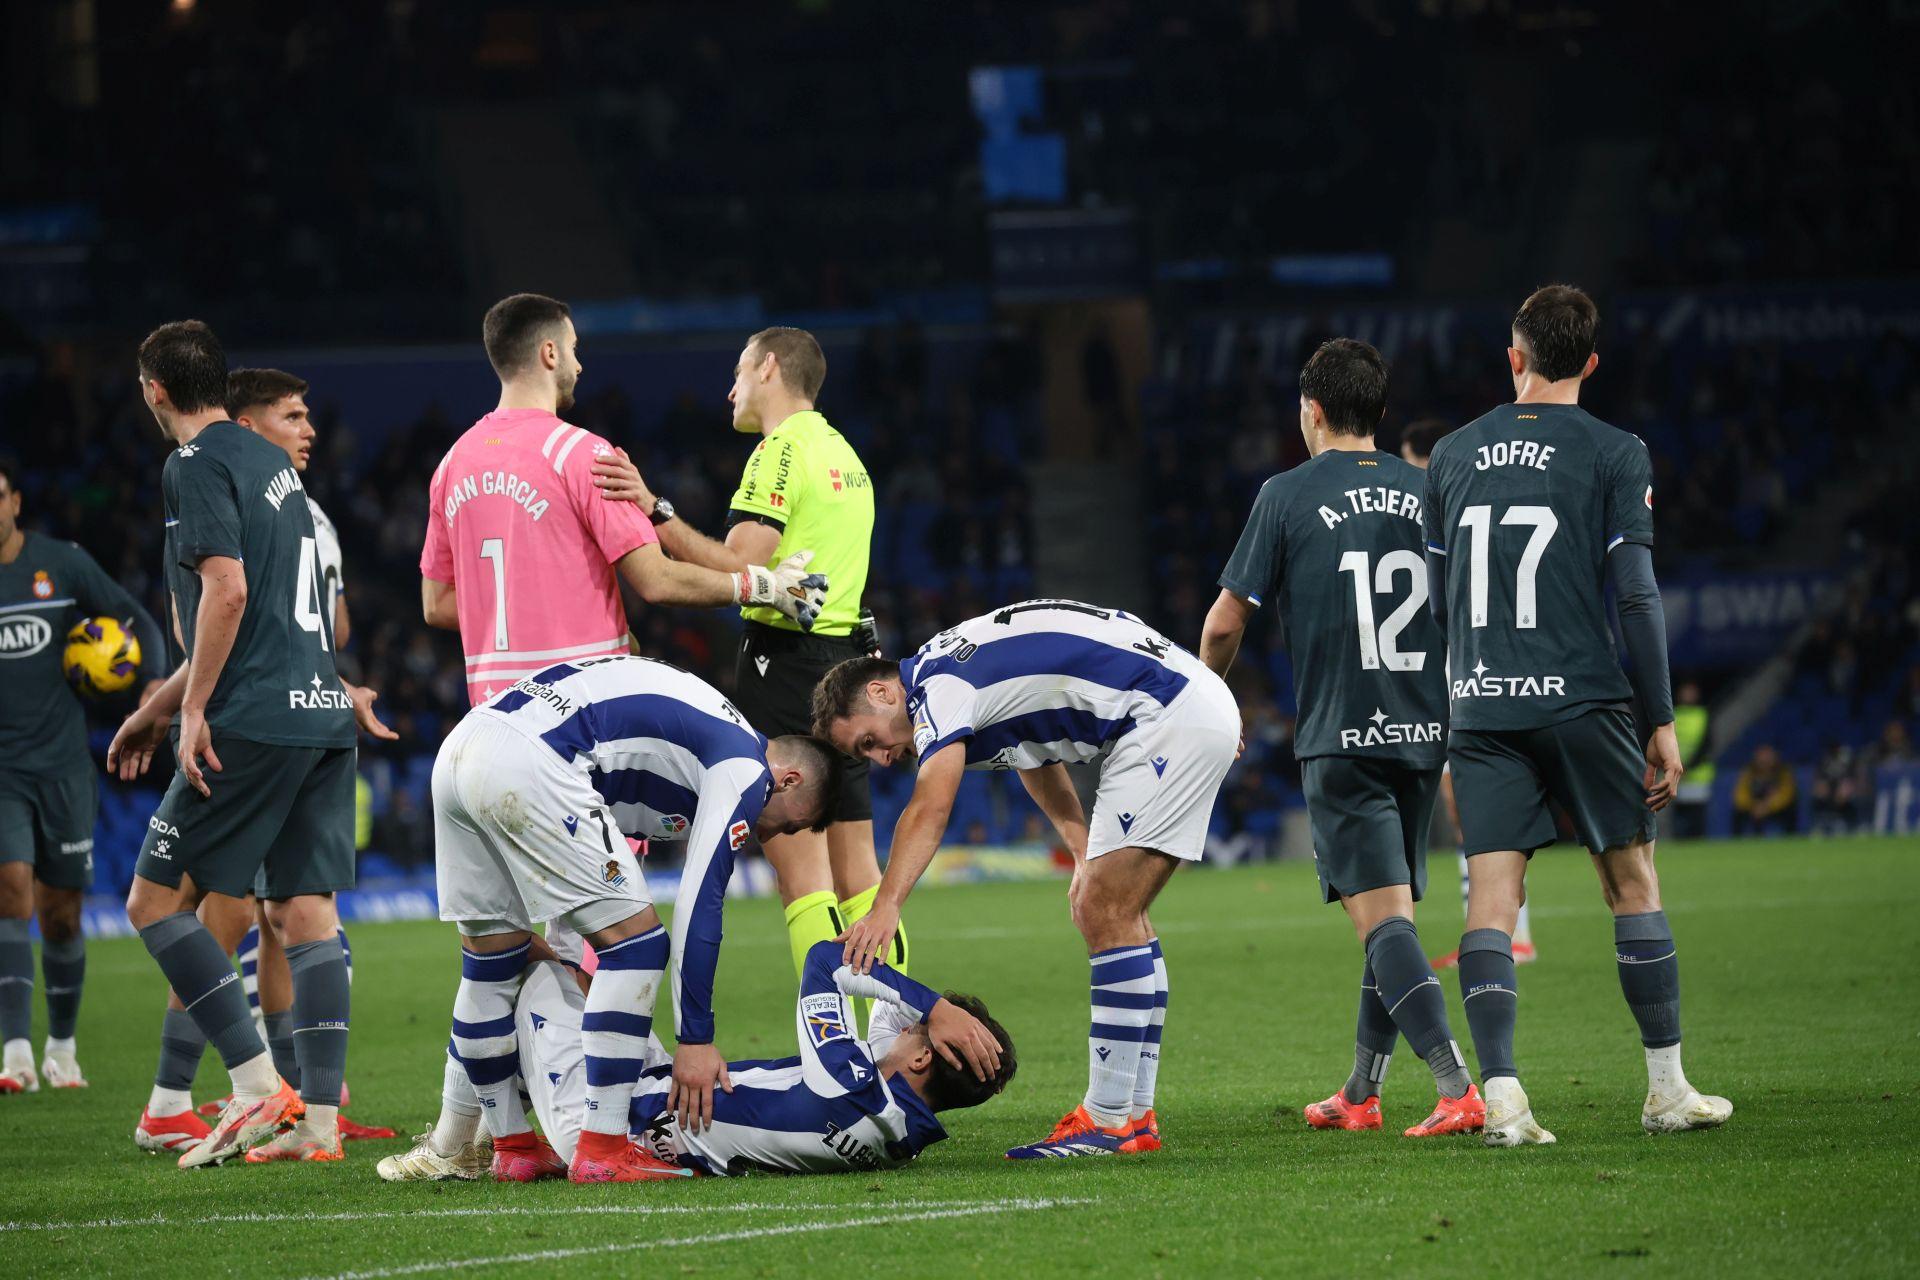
1149	1072
484	1039
1123	1007
616	1023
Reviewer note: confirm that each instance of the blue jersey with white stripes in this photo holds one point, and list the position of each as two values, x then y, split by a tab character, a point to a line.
1040	682
673	760
1523	506
823	1111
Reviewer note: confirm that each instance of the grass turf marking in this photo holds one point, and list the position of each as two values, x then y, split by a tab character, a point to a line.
1019	1205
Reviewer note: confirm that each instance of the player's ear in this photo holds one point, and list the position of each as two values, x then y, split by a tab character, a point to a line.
1593	362
1516	361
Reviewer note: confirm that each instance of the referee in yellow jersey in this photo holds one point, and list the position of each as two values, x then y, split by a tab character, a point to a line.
804	488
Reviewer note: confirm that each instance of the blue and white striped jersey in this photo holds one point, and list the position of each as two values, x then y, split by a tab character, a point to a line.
825	1111
673	760
1039	682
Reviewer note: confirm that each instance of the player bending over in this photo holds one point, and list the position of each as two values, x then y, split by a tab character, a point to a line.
1335	545
1026	688
842	1103
1531	510
533	795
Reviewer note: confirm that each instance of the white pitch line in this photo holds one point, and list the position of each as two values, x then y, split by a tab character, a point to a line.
712	1237
491	1211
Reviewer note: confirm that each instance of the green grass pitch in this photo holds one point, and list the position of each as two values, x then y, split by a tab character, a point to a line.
1800	962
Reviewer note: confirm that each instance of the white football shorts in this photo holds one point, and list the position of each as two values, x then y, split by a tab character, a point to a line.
1159	783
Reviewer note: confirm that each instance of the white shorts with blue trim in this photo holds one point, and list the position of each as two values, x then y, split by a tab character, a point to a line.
520	838
1160	781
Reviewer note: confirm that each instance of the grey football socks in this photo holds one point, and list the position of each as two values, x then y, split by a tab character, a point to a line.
181	1045
1649	975
320	1007
64	967
1415	1002
1373	1039
204	978
1492	997
16	980
280	1044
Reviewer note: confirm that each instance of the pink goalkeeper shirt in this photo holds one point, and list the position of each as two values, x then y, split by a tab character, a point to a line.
519	530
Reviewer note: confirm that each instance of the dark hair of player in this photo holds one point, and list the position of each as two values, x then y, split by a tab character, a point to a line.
825	766
949	1087
257	388
187	359
843	690
516	325
803	366
1349	379
1558	323
1421	435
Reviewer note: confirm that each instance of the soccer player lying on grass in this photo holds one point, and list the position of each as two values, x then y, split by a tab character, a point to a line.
842	1103
1025	688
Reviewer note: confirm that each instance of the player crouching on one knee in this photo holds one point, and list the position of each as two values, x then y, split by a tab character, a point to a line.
1028	687
842	1103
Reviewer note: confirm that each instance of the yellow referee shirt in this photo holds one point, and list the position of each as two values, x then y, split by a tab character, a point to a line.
806	481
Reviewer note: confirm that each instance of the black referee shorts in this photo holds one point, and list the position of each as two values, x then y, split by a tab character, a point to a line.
773	685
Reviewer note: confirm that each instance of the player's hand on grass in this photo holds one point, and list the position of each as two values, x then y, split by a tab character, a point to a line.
620	481
787	587
139	736
963	1040
1664	769
697	1068
363	699
196	740
870	937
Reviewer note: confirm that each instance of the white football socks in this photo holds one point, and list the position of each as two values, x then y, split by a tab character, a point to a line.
256	1077
1664	1075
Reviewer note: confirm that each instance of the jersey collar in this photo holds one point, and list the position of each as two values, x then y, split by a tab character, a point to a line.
805	420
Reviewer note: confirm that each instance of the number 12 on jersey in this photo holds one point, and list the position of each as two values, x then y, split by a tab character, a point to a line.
1381	647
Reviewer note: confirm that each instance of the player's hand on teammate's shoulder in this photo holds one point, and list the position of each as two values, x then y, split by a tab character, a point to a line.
619	480
956	1034
787	587
697	1068
870	937
363	699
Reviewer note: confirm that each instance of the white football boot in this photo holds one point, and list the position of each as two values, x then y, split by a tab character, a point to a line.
1684	1109
62	1069
1510	1121
472	1162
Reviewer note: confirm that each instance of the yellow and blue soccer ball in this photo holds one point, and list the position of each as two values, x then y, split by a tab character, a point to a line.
102	657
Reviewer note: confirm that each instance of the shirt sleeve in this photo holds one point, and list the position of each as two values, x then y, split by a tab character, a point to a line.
207	514
770	484
1629	496
941	712
835	1063
1253	570
722	826
436	552
615	527
97	595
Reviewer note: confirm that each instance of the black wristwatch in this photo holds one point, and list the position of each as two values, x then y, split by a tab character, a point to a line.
662	511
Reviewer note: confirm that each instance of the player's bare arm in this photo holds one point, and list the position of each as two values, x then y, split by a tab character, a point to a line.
437	605
787	587
141	734
916	838
342	624
1220	636
223	602
619	480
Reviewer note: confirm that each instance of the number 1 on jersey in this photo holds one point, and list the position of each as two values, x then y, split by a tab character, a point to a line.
1477	521
1382	646
495	549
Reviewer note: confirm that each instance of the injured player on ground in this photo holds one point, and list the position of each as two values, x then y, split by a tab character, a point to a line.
841	1103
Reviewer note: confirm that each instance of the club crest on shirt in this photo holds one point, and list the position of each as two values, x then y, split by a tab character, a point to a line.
42	585
824	1018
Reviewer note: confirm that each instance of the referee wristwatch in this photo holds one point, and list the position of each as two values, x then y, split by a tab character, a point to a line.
662	511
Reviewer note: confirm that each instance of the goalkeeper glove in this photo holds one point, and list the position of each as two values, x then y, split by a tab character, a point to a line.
787	587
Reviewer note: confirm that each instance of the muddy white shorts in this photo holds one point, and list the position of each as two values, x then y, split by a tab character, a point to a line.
521	838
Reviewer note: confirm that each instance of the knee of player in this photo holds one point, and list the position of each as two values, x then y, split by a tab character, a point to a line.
60	923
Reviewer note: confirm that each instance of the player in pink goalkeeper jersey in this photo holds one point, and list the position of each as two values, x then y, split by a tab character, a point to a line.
521	552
